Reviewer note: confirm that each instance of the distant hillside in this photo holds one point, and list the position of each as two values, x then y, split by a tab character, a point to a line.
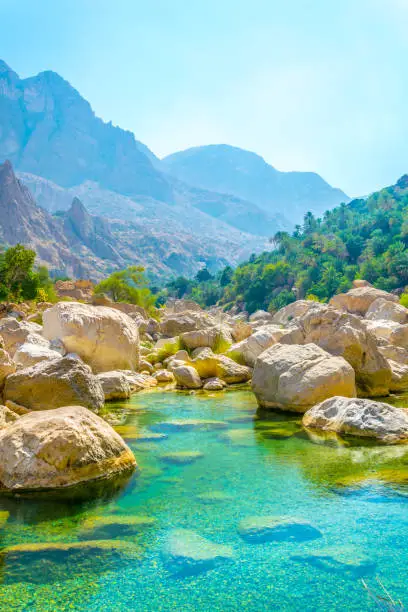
78	244
231	170
366	238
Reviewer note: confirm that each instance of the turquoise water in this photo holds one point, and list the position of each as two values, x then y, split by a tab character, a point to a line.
208	479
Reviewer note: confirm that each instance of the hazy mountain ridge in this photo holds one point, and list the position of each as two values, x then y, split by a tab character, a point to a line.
246	175
47	129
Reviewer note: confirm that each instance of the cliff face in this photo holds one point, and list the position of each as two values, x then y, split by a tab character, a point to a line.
78	244
48	129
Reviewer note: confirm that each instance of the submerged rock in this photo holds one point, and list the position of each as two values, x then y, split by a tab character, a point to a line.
27	562
50	384
186	552
294	377
105	338
181	457
107	527
60	448
189	424
261	529
339	560
360	417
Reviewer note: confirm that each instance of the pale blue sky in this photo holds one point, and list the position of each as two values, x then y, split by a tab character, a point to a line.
308	84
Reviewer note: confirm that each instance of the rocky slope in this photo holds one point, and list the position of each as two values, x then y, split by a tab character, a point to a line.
78	244
231	170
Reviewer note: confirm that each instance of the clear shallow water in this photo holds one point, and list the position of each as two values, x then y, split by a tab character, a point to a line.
256	465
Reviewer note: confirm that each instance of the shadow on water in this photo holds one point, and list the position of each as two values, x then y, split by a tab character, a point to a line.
32	507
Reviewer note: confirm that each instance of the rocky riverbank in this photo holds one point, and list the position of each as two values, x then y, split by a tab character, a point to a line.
61	364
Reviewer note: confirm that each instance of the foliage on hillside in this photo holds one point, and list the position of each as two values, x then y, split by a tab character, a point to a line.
367	238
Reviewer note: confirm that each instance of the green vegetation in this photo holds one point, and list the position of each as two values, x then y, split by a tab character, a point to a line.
130	286
367	238
19	280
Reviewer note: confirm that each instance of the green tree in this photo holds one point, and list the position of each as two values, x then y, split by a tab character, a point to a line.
129	285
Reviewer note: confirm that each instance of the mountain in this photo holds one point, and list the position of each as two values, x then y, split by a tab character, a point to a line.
49	131
22	221
243	174
75	243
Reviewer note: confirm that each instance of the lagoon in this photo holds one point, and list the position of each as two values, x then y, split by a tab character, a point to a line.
171	538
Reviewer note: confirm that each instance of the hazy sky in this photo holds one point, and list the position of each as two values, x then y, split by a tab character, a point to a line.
316	85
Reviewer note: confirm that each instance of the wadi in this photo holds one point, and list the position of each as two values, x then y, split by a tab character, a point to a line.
203	355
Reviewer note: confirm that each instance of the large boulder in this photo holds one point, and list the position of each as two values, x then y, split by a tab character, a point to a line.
297	377
210	365
179	323
359	417
51	384
104	338
187	377
15	333
290	313
60	448
29	354
345	335
358	300
387	310
217	338
248	350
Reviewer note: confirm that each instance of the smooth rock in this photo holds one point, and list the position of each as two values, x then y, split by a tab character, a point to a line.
115	385
296	377
214	384
345	335
51	384
359	417
358	300
290	313
59	448
187	377
164	376
387	310
217	338
105	338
